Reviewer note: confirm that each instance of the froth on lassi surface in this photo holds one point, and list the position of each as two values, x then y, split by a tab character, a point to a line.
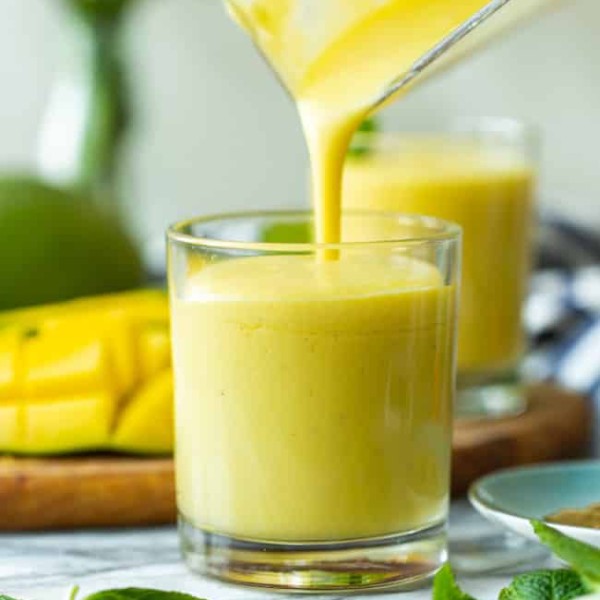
313	398
488	190
337	58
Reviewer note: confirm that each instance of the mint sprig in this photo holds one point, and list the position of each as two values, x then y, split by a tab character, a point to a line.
585	559
445	586
561	584
362	144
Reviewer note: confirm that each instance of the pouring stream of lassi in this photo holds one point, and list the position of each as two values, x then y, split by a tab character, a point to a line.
337	58
314	397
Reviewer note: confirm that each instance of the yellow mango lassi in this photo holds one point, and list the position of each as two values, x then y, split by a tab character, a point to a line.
314	399
314	387
488	190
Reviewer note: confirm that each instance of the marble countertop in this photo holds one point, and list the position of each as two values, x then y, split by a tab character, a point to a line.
45	566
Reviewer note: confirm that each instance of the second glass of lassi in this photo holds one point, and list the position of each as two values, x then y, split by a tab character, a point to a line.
314	388
480	174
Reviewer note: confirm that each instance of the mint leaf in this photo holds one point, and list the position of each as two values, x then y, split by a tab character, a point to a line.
445	586
287	233
585	559
139	594
361	145
561	584
5	597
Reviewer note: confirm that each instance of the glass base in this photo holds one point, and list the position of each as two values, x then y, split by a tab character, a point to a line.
490	397
402	561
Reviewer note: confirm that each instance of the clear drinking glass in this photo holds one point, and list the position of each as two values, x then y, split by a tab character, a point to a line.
480	174
314	389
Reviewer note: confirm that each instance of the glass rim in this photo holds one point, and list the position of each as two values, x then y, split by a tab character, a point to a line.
446	231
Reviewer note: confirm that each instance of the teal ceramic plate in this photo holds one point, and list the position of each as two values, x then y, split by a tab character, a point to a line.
514	496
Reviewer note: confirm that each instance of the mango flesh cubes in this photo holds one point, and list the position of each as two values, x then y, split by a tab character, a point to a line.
91	374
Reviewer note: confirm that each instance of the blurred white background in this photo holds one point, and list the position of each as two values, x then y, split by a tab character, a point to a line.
215	132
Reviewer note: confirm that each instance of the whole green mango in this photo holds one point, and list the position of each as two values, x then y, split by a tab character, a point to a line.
56	245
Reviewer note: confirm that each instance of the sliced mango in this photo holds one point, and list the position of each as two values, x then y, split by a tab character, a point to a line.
67	424
155	350
146	424
118	333
10	430
10	349
89	374
65	361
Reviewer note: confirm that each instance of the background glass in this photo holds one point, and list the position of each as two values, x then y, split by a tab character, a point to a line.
480	174
313	398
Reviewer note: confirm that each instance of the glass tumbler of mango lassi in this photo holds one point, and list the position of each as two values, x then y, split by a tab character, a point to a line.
480	175
314	387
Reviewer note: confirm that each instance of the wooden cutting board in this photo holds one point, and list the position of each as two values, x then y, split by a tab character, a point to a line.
102	491
558	425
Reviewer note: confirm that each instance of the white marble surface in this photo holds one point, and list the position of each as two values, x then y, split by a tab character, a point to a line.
45	566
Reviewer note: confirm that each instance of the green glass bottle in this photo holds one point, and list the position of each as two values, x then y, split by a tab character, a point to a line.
90	102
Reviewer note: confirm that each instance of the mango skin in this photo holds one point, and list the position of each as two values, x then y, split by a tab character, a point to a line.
93	374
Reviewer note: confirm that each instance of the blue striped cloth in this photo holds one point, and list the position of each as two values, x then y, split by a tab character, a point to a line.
562	312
